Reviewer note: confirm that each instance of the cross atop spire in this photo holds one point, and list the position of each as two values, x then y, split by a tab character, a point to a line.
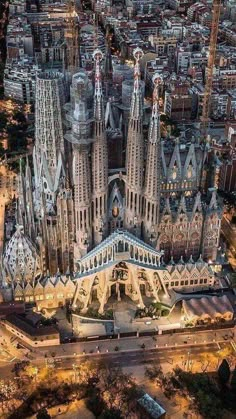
136	110
98	95
154	131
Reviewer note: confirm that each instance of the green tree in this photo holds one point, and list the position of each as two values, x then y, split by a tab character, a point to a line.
43	414
19	117
155	373
111	414
224	372
233	381
20	367
3	120
94	402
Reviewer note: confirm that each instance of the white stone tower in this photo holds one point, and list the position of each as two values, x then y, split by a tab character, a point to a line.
135	155
80	137
152	174
49	141
99	158
48	164
25	210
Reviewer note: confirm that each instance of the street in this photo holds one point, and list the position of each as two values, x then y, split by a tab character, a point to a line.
165	340
171	350
135	357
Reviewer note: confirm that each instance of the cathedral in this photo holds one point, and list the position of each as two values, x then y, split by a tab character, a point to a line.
111	207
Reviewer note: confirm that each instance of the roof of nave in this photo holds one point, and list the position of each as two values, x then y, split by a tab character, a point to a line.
191	204
119	246
190	266
56	281
47	282
182	148
175	202
120	236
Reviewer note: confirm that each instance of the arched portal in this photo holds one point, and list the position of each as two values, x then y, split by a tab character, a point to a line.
116	205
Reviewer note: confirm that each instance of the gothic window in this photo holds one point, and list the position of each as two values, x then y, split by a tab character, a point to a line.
194	236
190	171
179	237
165	239
131	200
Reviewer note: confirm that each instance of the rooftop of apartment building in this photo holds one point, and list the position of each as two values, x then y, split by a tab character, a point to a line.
18	25
21	68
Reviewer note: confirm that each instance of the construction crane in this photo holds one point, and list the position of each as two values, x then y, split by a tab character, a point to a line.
71	59
204	180
210	65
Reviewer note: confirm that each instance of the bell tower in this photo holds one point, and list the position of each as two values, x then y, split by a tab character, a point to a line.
135	155
152	175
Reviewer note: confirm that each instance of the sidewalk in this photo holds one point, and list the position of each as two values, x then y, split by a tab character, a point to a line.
135	343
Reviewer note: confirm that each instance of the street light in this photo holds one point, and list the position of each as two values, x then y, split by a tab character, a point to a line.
188	360
74	366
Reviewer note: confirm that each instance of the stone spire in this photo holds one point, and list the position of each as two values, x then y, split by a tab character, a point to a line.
136	110
135	154
48	159
31	229
98	95
80	137
99	158
152	175
21	204
49	141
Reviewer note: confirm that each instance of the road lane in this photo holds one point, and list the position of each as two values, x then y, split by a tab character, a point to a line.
132	358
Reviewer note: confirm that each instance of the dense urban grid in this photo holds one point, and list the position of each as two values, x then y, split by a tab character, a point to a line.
117	209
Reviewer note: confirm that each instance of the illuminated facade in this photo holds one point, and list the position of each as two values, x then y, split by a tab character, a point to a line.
118	230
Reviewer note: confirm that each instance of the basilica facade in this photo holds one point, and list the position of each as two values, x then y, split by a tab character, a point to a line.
94	229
